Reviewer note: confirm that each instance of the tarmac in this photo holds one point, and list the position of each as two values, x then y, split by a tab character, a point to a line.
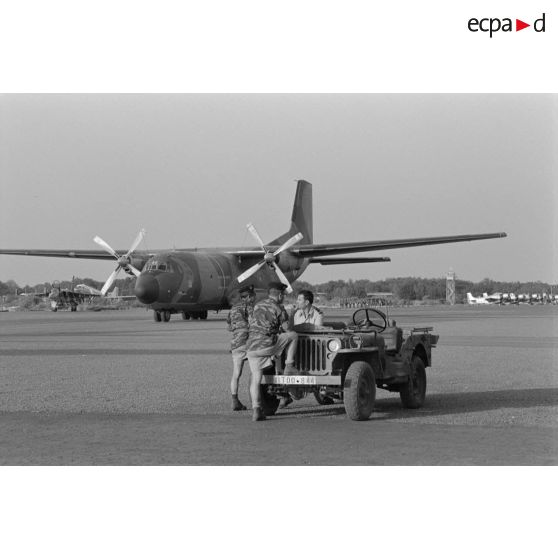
116	388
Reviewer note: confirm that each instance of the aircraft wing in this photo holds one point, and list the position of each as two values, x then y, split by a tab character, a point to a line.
342	261
317	250
83	254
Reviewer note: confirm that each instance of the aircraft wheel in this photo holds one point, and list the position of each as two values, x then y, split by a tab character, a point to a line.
359	391
414	391
157	316
55	309
203	315
166	315
185	316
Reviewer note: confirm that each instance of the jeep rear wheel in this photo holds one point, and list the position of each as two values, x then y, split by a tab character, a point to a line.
359	391
414	391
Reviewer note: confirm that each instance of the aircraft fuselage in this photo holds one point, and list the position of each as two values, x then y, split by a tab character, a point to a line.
197	281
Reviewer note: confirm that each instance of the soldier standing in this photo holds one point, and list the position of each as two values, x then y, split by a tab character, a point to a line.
269	336
238	325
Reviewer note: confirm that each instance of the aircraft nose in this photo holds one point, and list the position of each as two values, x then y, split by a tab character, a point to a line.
146	289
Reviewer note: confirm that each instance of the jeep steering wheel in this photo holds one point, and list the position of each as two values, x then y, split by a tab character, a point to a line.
370	317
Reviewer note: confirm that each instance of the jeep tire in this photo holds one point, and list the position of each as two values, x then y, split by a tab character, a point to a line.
414	391
359	391
270	403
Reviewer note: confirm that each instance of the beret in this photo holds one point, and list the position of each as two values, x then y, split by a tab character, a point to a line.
246	289
277	285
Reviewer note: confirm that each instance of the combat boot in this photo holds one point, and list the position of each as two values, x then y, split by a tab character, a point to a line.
258	414
287	400
236	404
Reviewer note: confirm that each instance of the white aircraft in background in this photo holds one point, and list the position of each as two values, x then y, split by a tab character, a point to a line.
494	298
474	300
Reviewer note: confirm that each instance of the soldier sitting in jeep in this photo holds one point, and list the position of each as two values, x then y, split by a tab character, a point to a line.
306	316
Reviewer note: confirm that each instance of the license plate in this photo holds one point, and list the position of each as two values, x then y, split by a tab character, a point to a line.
295	380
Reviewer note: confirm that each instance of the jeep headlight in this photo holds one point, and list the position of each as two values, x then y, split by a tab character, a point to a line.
334	345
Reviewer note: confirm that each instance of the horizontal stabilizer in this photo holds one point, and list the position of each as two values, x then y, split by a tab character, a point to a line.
341	261
314	250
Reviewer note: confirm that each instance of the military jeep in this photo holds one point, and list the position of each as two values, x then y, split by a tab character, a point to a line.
346	363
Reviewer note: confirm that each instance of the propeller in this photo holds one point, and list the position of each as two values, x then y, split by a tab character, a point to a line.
269	257
123	261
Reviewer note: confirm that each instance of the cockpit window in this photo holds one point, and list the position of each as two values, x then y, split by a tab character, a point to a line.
155	265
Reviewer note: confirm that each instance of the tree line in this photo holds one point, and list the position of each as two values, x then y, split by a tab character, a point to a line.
420	288
402	288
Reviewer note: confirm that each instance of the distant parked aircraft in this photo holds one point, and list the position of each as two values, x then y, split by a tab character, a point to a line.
474	300
494	298
72	297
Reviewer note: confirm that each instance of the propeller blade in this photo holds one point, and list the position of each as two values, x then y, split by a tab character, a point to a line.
136	242
250	272
289	243
110	281
255	234
281	276
135	271
102	243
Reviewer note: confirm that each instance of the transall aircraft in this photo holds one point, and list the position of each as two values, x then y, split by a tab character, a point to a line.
193	281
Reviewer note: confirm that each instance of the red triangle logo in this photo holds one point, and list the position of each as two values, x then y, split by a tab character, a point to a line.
519	25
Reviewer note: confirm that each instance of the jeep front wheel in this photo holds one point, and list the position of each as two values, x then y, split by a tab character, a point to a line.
359	391
270	403
414	391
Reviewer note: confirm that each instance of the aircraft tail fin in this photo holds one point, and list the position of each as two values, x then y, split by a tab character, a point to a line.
470	298
301	219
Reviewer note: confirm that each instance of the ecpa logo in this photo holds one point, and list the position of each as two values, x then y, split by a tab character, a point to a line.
494	24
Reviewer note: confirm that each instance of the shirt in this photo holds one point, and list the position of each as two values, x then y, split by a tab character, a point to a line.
313	316
238	322
265	324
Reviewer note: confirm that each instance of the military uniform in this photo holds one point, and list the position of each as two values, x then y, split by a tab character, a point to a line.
265	324
266	337
237	321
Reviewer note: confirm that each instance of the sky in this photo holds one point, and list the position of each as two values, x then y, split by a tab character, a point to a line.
194	169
